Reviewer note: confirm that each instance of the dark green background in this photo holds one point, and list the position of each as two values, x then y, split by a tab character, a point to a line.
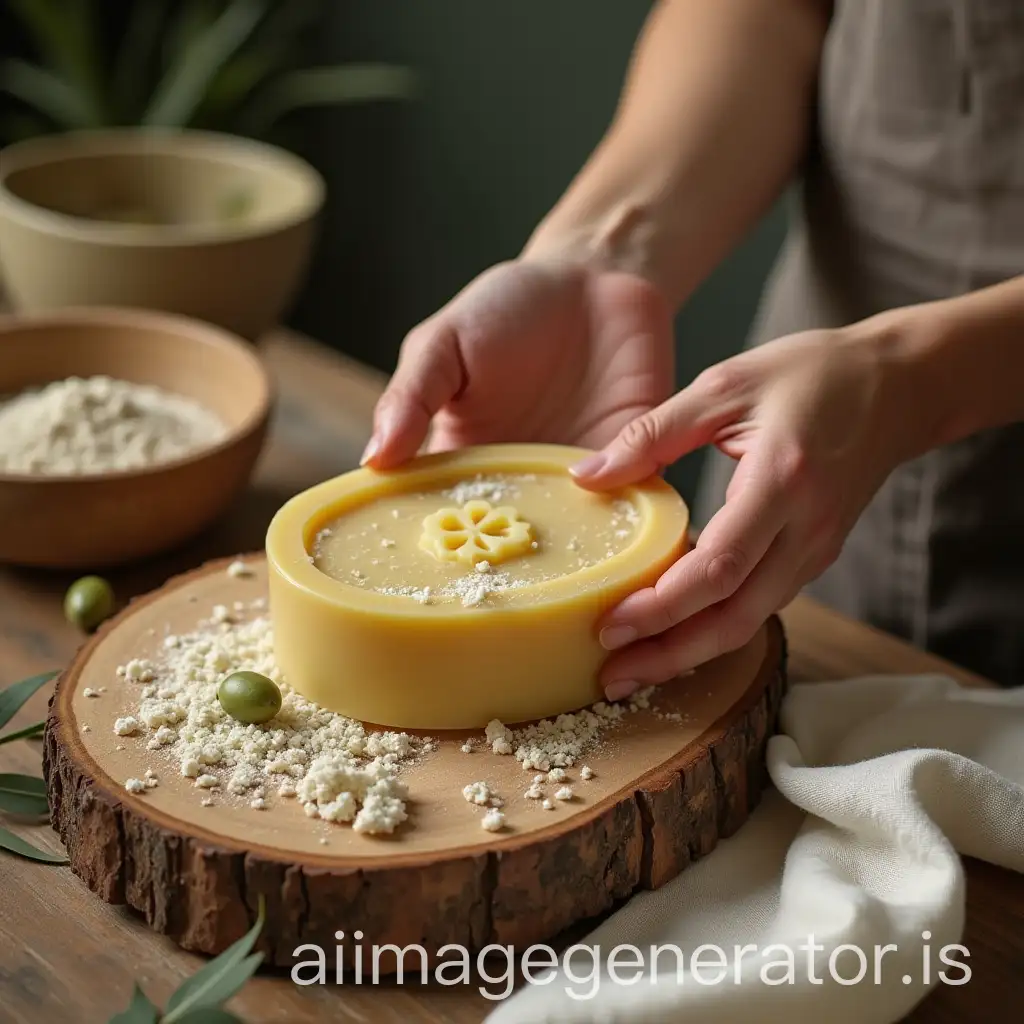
426	195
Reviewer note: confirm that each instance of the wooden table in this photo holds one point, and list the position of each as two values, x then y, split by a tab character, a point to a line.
67	958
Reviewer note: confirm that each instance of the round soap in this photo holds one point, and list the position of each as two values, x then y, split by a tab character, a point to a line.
461	587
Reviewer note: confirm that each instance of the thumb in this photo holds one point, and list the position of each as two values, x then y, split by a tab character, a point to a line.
646	445
430	373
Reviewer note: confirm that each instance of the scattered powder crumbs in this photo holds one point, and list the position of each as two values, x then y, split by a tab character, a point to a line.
206	802
90	692
493	821
421	594
586	773
495	489
88	728
477	793
548	805
553	744
534	792
338	770
239	570
467	747
387	542
135	786
557	775
483	566
564	793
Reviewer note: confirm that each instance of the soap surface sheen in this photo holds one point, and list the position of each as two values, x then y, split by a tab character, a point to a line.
374	619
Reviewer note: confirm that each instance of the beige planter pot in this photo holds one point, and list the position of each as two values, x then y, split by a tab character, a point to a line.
210	226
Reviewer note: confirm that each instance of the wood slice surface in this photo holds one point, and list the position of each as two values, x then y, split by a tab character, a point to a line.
668	783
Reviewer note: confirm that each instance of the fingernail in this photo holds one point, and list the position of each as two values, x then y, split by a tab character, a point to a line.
613	637
621	689
372	447
590	466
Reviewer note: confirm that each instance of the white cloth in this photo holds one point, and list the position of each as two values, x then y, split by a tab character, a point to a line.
880	783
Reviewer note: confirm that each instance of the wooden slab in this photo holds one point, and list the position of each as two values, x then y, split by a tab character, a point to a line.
665	790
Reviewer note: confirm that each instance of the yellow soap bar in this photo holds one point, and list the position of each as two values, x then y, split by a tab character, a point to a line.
462	587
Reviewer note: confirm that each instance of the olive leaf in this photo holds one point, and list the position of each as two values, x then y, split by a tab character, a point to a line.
198	999
219	980
22	794
30	732
140	1010
15	844
14	696
210	1015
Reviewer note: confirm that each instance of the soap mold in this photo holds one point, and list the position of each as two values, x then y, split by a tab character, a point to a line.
389	660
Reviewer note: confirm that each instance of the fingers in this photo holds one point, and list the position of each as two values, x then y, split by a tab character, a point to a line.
726	554
429	375
714	631
647	444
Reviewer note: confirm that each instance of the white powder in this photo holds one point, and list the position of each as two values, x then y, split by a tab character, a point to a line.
558	743
339	771
586	773
135	786
493	821
85	426
477	793
564	793
495	489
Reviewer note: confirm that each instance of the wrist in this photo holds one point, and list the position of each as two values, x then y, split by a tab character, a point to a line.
937	365
621	235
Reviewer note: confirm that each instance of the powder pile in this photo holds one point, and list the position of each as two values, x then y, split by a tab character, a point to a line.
559	743
337	769
94	425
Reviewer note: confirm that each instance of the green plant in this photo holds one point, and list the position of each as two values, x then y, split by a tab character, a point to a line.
200	998
229	65
23	795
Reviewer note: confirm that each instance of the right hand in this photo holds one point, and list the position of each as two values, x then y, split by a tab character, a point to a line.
529	351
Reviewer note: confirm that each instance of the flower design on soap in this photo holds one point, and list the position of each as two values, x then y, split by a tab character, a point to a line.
475	533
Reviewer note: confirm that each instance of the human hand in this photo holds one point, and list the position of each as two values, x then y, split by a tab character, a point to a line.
529	351
816	421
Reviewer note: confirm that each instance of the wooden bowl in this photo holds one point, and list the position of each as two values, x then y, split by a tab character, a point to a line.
89	522
206	225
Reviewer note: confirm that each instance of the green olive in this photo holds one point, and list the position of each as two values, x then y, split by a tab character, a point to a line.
249	697
88	602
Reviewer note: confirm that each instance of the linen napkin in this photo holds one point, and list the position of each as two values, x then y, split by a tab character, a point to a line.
880	783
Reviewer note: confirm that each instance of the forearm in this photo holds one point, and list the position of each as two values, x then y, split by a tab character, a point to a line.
963	361
712	124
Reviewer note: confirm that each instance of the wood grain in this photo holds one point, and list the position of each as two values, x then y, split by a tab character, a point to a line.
68	958
439	881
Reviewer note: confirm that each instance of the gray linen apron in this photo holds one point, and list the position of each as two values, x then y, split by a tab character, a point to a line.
914	191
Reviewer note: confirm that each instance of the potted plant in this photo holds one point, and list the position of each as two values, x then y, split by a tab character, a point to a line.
154	183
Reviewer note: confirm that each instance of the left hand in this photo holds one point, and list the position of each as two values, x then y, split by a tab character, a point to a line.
816	422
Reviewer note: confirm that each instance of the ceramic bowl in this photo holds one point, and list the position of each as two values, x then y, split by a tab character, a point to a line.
197	223
110	518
